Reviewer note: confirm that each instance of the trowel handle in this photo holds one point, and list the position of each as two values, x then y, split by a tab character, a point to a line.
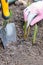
5	8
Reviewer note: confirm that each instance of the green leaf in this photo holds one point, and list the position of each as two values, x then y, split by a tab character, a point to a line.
4	23
24	27
10	13
35	33
25	30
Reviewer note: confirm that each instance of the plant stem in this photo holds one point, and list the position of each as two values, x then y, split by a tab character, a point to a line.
35	33
26	31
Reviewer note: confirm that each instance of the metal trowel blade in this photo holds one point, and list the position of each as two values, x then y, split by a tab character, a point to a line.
8	34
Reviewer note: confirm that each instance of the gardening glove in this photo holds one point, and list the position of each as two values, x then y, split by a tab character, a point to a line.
33	13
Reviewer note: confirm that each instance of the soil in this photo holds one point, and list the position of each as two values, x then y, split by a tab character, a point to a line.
22	52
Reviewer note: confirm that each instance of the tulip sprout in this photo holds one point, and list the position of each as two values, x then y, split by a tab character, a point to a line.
26	31
10	13
35	33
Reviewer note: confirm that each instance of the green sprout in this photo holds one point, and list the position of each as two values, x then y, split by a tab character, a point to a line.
4	23
26	30
10	13
35	33
35	29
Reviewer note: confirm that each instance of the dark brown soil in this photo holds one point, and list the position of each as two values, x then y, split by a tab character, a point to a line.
22	52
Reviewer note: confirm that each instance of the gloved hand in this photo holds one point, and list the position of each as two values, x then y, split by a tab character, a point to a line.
33	13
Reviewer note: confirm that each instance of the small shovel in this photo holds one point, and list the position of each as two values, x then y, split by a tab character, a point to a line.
8	34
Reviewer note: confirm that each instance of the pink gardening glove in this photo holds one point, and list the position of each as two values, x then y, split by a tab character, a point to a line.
33	13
